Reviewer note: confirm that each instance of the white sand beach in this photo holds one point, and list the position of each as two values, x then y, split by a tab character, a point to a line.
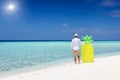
104	68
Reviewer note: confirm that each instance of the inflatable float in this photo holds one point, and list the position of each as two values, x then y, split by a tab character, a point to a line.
87	49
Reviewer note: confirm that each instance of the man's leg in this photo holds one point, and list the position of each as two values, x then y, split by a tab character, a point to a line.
74	54
78	53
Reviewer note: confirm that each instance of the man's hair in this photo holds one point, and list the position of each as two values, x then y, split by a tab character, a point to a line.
76	36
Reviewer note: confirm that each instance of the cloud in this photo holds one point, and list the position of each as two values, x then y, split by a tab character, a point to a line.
92	31
65	24
76	30
115	13
110	3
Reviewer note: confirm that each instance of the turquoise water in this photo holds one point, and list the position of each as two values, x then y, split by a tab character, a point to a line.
16	55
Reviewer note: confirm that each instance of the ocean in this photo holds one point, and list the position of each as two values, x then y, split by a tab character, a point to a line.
23	54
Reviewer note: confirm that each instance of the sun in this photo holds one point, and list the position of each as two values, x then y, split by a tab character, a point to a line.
11	7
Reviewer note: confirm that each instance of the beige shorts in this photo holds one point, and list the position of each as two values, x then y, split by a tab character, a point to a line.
76	52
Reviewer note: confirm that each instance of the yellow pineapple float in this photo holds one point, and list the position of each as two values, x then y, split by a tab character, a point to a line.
87	49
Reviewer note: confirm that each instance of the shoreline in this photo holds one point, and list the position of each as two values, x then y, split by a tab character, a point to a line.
59	68
32	68
45	66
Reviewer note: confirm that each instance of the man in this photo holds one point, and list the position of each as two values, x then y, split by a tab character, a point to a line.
75	45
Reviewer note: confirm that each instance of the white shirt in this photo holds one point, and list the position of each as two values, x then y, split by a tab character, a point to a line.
75	45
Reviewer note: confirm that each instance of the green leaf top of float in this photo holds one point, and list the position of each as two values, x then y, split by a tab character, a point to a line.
87	39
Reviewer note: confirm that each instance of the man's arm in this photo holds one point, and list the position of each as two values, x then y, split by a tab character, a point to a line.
72	44
80	42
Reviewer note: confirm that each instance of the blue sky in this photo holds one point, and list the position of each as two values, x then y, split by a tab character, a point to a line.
60	19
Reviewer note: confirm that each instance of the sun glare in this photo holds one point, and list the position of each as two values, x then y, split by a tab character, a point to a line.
11	7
